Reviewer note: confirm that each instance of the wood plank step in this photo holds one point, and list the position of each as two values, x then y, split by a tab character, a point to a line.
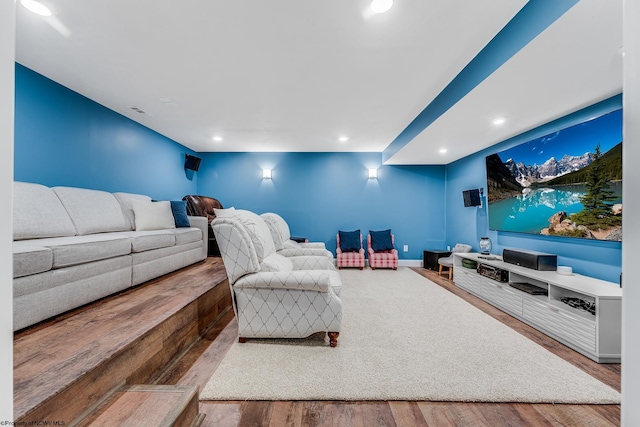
67	365
148	406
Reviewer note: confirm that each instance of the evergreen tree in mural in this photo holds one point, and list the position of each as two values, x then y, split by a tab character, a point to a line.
598	197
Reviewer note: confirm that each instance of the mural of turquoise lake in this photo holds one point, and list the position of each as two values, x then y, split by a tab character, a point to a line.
530	211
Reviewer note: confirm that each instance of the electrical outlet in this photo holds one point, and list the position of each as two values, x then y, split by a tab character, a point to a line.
406	248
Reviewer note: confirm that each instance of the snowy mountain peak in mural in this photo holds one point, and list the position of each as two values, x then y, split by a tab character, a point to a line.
552	168
579	195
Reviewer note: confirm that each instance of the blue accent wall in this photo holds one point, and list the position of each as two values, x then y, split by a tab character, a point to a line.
63	138
321	193
467	225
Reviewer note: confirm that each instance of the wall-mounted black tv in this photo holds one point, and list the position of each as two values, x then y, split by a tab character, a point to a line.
567	183
471	197
192	162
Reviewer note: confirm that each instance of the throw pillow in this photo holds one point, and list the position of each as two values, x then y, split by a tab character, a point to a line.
179	210
381	240
350	241
224	213
152	215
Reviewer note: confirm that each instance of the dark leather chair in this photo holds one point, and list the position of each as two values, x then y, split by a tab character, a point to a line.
203	206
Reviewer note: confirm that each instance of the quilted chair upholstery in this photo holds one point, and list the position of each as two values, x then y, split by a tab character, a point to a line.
204	206
276	296
382	259
349	259
281	235
448	261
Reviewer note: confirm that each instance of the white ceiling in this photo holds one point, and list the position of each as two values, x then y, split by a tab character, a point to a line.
292	75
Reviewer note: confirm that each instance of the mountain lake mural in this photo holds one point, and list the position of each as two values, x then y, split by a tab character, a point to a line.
568	183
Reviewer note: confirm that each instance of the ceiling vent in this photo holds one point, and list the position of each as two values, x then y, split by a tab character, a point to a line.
139	110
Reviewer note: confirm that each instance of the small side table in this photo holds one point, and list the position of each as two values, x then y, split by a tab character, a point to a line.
430	258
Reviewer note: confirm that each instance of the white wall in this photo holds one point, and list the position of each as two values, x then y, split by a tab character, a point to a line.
7	67
631	223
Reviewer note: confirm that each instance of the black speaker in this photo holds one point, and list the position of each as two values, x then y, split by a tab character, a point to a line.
530	259
192	162
471	197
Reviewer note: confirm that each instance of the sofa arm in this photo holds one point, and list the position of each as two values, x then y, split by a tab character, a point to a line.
307	280
202	223
312	263
303	252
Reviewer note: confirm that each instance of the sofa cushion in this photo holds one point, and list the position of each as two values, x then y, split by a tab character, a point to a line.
29	259
126	203
258	232
75	250
221	213
37	213
149	239
187	235
276	262
279	229
153	215
92	211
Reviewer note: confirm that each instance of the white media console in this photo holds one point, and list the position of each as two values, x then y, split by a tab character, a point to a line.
597	336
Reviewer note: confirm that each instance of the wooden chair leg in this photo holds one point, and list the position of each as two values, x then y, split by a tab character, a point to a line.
333	338
440	270
450	272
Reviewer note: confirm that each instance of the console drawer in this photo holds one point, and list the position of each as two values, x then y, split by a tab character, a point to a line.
468	280
504	297
565	325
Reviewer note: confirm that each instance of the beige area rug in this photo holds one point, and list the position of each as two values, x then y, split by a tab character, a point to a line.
404	338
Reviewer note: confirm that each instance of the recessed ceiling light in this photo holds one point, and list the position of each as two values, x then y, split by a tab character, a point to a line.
381	6
343	138
443	150
499	120
217	138
36	7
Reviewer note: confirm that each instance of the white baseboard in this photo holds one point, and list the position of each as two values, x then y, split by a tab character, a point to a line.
410	263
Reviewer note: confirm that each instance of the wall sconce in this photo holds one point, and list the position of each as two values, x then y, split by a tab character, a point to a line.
373	173
266	173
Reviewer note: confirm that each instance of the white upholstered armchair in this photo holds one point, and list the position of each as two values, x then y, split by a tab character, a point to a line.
276	296
281	235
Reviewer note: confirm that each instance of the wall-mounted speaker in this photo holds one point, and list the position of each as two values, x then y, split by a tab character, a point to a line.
192	162
471	197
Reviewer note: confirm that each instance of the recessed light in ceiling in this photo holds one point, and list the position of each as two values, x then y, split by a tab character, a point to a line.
499	120
217	138
381	6
343	138
36	7
443	151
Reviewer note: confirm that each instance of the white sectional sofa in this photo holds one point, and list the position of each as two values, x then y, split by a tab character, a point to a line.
72	246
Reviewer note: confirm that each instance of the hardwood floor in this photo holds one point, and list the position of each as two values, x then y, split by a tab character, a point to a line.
198	329
208	353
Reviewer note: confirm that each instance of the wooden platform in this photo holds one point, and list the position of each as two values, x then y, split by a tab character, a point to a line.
68	366
149	406
153	347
